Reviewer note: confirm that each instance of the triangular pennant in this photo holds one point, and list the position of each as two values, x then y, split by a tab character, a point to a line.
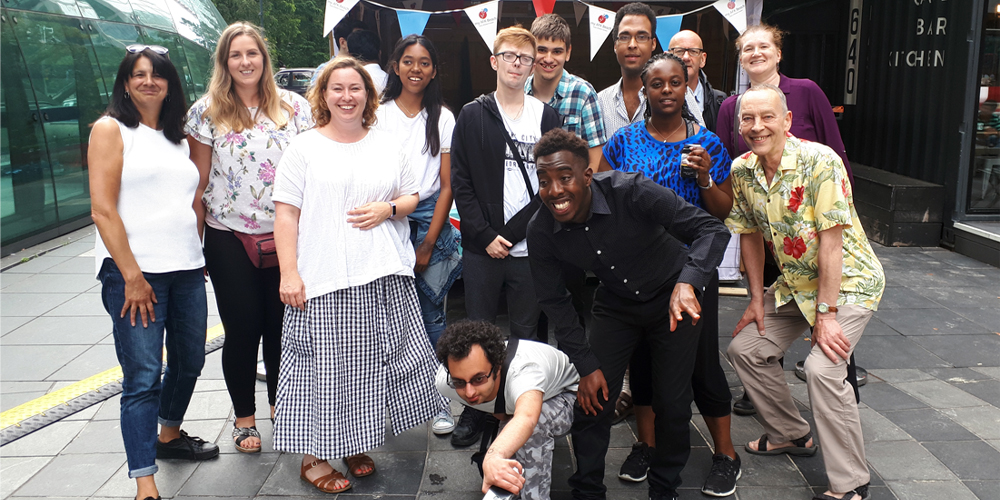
601	22
412	22
484	17
579	8
543	7
735	11
455	5
413	4
335	11
667	27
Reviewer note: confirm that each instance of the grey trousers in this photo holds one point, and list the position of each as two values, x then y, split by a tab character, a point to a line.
536	454
838	424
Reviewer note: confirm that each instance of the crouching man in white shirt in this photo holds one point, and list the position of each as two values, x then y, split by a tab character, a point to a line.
529	386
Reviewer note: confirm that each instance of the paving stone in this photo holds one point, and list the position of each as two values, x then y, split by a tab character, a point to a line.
929	425
7	279
8	388
11	323
17	471
208	405
814	471
111	409
987	390
450	471
53	283
76	265
957	375
943	321
346	496
876	427
60	330
773	471
877	327
38	264
899	375
10	401
773	493
94	360
931	490
84	414
414	439
984	489
906	298
952	296
983	421
885	397
905	460
879	493
69	475
73	249
85	304
240	475
893	352
97	437
963	350
284	480
32	304
211	385
172	474
397	473
992	371
939	394
968	459
45	442
988	317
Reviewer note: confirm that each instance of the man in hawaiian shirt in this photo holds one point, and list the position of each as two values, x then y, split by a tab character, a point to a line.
794	195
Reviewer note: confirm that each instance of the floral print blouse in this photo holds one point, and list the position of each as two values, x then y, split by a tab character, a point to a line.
810	194
239	188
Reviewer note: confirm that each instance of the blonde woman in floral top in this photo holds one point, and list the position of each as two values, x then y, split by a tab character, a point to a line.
238	132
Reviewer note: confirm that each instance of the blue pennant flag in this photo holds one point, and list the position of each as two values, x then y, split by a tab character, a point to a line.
666	28
412	22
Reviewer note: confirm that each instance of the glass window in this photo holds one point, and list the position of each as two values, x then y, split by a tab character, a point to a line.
200	63
984	181
27	197
64	7
153	13
108	10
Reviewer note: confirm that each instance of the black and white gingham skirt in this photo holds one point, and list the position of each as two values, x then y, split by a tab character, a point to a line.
347	358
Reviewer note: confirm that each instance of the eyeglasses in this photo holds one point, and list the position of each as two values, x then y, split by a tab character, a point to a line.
640	38
679	51
135	48
478	380
511	57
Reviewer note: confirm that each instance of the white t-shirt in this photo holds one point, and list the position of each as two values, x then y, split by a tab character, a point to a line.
155	202
325	179
411	132
535	367
525	130
379	77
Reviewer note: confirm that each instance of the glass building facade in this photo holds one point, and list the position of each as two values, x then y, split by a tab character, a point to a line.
60	58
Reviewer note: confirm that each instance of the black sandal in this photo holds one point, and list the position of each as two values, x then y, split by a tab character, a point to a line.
799	449
861	491
241	434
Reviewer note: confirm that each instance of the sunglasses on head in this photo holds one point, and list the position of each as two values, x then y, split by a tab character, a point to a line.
138	47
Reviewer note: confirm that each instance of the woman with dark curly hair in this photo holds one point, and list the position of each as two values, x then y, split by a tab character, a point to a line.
353	341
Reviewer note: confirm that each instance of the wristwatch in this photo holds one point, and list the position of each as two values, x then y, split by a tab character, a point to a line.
824	308
709	186
393	205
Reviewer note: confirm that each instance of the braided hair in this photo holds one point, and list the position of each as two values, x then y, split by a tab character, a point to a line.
666	56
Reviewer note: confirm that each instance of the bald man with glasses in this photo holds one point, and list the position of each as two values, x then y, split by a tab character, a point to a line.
688	46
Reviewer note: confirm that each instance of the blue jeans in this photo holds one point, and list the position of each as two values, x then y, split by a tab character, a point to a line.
433	315
181	310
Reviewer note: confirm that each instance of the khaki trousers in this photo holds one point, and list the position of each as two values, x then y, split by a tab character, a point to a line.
838	425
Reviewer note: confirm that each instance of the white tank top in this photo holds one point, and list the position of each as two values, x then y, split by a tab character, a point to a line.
155	202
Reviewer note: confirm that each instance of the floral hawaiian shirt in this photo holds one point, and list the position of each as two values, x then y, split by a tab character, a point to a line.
239	188
811	193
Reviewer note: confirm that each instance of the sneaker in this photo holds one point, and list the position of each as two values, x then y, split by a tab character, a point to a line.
636	465
444	423
721	480
744	407
469	428
187	448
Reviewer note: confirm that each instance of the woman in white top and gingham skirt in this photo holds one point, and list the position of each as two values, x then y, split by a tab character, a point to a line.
353	342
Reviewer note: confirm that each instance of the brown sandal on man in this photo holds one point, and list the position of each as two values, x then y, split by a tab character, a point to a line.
357	464
327	483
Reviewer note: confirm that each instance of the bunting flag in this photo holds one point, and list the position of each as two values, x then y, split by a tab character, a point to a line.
543	7
484	17
601	22
413	4
735	11
579	8
335	11
666	28
412	22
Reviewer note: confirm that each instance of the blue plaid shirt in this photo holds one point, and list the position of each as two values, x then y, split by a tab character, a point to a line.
576	102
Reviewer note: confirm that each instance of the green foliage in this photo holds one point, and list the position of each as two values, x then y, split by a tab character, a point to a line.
293	28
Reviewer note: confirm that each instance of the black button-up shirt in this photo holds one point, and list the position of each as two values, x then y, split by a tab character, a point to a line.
640	239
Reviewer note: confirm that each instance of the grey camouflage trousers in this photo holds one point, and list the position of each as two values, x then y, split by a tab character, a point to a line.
536	454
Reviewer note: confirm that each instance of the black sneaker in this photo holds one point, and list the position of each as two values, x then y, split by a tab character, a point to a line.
469	427
187	448
721	480
637	463
744	407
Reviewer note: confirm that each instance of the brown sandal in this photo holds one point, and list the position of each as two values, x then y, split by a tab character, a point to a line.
356	463
327	483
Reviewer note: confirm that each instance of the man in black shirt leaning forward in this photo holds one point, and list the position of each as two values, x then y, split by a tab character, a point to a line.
631	232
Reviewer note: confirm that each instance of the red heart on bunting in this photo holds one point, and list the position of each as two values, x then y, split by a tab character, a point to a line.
543	7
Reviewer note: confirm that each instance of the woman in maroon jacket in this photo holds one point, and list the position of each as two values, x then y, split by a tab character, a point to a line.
759	49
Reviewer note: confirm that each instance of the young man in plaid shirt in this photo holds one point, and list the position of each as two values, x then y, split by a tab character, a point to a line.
572	97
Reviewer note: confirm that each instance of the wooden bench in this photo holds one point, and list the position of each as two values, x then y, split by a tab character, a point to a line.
896	210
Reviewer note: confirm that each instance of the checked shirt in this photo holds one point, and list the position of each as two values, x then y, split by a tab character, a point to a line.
576	102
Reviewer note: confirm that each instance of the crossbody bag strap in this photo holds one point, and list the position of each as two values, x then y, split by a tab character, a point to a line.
517	157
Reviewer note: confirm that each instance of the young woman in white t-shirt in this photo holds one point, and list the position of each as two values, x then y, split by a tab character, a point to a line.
414	112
